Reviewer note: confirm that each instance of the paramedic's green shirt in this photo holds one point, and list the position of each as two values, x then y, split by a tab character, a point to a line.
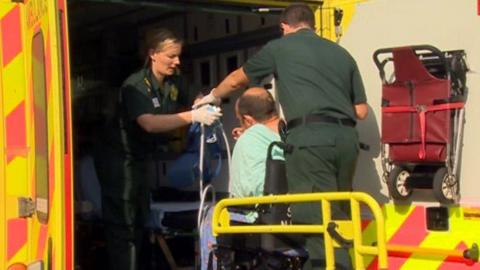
249	161
314	75
141	94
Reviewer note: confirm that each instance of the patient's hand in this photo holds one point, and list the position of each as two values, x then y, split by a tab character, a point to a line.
237	132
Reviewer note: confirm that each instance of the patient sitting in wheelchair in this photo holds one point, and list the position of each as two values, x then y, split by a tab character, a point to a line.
257	157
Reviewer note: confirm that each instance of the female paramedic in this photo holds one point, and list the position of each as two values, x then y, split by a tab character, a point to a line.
147	108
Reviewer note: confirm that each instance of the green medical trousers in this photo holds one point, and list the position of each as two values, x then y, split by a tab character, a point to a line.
327	166
125	204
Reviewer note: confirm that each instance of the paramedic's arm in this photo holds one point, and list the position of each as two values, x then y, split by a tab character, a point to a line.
359	100
155	123
361	110
233	82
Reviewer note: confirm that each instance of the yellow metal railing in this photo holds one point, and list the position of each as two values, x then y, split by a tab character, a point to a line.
221	223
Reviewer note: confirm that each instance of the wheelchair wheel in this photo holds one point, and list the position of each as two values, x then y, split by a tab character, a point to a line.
445	187
398	183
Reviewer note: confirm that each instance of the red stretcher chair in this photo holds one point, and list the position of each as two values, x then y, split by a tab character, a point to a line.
422	119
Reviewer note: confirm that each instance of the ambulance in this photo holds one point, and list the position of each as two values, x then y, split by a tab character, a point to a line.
36	146
36	227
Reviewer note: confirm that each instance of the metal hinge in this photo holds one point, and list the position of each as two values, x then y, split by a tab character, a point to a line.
26	207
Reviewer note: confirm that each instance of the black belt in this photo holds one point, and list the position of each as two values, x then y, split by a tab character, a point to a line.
319	118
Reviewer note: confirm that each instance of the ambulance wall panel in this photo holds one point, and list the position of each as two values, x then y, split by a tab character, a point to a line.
444	24
205	71
199	27
256	21
225	25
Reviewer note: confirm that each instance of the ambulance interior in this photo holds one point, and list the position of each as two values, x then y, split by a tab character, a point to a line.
106	45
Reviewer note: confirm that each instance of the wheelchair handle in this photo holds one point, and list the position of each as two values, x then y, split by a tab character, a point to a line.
287	148
332	230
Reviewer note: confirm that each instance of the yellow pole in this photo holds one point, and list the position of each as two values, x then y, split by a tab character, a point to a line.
329	250
357	234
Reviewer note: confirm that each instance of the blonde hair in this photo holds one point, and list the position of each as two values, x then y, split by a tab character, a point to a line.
158	40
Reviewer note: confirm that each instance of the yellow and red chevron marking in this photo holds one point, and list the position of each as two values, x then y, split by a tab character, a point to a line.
14	110
27	240
17	236
406	226
10	25
12	65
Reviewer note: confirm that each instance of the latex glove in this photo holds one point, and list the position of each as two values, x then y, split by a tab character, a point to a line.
208	99
206	115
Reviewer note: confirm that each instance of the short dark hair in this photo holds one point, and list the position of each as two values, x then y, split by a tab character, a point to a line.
298	13
259	106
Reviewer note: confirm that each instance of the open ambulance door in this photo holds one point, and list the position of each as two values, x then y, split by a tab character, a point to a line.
35	184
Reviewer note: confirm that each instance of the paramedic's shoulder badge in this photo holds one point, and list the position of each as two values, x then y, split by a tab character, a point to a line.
174	93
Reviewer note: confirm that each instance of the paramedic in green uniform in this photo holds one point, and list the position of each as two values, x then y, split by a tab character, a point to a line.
322	95
147	106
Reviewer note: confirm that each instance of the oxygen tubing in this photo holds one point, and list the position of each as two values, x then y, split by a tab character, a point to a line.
204	190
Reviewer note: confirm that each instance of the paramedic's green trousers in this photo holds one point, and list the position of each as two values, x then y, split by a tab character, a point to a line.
327	166
125	204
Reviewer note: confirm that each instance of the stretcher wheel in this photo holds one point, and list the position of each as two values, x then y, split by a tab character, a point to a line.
398	183
445	187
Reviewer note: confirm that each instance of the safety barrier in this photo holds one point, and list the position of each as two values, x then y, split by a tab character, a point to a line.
221	223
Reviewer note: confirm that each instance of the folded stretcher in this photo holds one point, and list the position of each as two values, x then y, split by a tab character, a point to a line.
422	119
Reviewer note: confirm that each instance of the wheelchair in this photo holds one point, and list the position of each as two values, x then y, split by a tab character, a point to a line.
262	251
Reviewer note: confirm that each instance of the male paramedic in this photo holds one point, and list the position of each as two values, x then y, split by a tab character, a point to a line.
258	118
322	95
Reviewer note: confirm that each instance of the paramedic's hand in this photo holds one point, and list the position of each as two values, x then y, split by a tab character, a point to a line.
208	99
205	115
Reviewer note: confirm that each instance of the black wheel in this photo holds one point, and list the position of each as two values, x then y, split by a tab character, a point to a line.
398	183
445	187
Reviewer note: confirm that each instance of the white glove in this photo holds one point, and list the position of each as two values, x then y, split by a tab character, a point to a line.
206	115
208	99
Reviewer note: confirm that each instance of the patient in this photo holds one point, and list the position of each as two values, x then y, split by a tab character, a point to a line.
255	110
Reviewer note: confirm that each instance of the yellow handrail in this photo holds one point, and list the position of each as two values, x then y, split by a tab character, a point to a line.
221	222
